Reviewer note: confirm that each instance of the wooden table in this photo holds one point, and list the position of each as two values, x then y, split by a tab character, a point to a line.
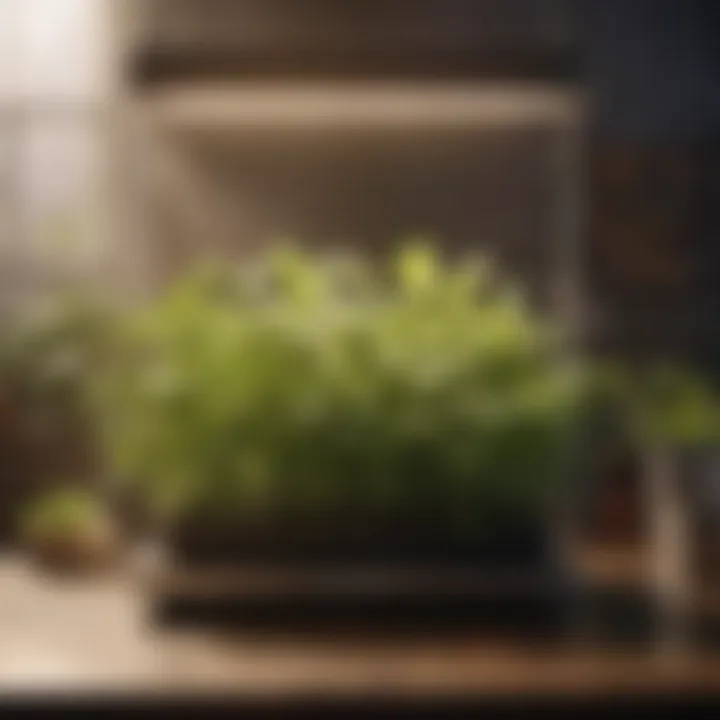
92	636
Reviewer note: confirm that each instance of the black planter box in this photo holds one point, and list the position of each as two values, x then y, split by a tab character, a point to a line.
406	541
415	578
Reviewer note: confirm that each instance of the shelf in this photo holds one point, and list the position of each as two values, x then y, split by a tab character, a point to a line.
236	107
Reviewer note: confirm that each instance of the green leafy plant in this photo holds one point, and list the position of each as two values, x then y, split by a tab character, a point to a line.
48	357
307	391
61	515
665	404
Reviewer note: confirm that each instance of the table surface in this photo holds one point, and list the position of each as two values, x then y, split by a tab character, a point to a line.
93	635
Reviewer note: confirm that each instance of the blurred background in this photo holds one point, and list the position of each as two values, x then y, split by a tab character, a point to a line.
573	141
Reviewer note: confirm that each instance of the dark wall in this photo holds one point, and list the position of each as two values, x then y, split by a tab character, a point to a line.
653	66
653	70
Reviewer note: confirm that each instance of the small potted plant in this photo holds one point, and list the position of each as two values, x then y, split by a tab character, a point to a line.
69	530
48	356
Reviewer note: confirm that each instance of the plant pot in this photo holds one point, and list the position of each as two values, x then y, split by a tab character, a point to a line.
81	553
405	574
